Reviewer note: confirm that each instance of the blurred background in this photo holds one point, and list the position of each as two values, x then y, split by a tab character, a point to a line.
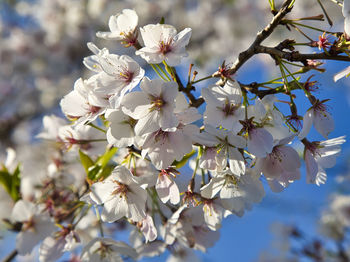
43	43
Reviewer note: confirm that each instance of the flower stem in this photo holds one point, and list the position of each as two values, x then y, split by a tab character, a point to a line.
202	79
99	220
98	128
155	69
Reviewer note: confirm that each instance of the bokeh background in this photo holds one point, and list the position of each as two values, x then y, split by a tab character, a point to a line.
42	45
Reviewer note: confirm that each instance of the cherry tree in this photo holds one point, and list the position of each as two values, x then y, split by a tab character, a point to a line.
142	148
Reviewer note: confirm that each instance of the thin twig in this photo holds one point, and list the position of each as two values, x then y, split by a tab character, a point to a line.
299	57
261	36
10	256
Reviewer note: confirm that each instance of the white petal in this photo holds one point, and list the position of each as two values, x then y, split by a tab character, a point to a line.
260	142
323	123
307	123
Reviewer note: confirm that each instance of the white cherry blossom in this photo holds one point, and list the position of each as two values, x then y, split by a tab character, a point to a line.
148	229
320	118
321	155
83	104
166	188
346	14
268	117
106	250
224	106
260	142
236	193
121	129
153	106
116	76
36	225
226	145
122	27
121	196
51	125
281	166
163	147
163	43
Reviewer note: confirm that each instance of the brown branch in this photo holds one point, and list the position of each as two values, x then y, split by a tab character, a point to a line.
194	102
261	36
298	57
10	256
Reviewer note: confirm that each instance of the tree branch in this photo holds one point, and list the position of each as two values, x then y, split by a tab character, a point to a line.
194	102
298	57
10	256
261	36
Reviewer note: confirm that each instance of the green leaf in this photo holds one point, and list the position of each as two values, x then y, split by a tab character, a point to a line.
93	171
85	161
99	169
11	182
162	20
104	159
16	184
183	161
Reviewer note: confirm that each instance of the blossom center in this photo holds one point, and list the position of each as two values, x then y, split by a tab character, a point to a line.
229	108
165	46
157	103
121	189
29	225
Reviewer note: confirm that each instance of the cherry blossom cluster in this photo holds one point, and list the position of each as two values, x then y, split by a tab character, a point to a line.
133	141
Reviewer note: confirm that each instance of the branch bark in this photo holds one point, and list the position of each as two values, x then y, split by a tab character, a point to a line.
10	256
261	36
298	57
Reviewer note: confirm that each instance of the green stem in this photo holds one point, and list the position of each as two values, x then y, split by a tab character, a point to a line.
98	128
310	27
202	79
155	69
164	73
279	78
99	220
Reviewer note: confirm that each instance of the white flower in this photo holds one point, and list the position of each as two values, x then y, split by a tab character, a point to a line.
121	129
123	27
116	76
260	142
83	137
53	247
226	145
236	193
187	225
35	225
83	104
153	107
321	155
213	213
224	106
150	249
164	147
346	14
148	229
167	188
51	125
320	118
272	120
106	250
162	43
121	196
282	164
